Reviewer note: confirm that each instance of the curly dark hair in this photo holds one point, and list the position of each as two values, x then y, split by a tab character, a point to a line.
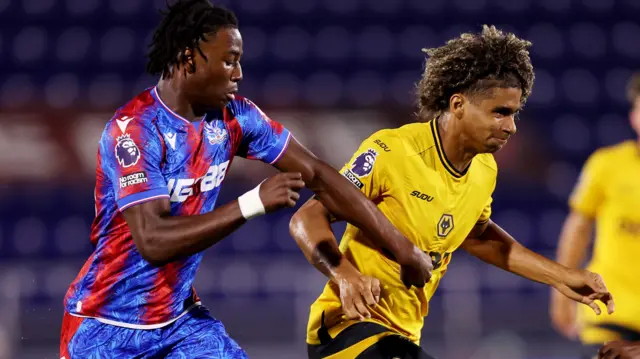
472	63
633	88
184	25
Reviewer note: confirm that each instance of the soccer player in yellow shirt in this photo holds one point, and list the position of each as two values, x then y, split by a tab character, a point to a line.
434	181
606	196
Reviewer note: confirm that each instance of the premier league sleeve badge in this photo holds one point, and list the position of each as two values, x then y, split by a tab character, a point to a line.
363	164
127	152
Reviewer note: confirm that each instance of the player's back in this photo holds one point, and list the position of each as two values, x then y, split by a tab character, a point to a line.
609	192
406	173
148	152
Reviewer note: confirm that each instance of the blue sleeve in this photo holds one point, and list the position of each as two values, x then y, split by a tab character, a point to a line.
130	156
262	138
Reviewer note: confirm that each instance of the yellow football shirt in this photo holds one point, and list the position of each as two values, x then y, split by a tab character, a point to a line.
405	172
609	192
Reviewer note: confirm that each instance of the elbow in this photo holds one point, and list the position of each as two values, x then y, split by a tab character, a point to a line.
150	249
296	226
308	222
302	223
318	173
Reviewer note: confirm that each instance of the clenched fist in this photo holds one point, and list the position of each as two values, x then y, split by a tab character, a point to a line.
415	269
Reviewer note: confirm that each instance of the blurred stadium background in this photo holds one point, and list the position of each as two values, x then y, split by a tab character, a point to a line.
333	71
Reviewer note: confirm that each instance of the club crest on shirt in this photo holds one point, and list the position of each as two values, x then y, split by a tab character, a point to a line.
445	225
214	134
363	164
127	152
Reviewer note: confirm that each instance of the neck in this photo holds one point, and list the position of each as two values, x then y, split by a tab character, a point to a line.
170	91
454	142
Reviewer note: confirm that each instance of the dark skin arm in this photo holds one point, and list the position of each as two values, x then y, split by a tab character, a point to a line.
161	238
493	245
345	202
342	199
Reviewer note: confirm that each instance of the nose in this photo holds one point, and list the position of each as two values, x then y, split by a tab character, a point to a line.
236	75
509	125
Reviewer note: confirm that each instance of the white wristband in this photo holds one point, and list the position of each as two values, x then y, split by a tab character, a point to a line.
250	204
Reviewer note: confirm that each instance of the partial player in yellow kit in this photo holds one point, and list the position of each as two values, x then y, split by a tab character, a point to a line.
434	181
607	195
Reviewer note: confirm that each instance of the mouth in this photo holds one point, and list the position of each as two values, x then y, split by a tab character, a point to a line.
501	141
231	95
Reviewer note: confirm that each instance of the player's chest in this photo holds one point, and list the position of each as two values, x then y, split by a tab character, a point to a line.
437	212
195	161
622	189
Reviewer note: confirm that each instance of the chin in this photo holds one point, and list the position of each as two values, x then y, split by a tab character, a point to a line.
219	105
492	148
224	101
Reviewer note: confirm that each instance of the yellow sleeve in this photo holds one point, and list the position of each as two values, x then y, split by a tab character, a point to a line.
486	212
588	192
368	166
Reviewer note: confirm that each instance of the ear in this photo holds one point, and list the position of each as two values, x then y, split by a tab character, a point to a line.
186	58
457	103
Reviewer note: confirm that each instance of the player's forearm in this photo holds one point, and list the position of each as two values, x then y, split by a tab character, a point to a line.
311	229
574	240
347	203
168	238
497	247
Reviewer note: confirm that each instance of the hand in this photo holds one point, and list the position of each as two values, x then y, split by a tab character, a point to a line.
586	287
563	315
415	269
281	190
357	292
620	349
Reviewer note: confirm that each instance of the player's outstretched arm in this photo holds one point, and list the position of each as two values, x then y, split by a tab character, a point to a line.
345	202
161	238
572	250
493	245
311	228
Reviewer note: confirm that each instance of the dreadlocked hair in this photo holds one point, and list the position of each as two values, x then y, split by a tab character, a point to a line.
184	25
473	63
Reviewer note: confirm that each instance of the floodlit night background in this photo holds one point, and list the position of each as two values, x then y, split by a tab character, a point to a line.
332	71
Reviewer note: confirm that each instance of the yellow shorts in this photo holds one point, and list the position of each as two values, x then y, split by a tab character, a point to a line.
592	334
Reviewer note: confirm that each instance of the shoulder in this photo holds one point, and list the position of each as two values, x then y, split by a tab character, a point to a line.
487	162
242	107
250	117
608	157
417	137
388	141
608	153
135	127
140	113
134	121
